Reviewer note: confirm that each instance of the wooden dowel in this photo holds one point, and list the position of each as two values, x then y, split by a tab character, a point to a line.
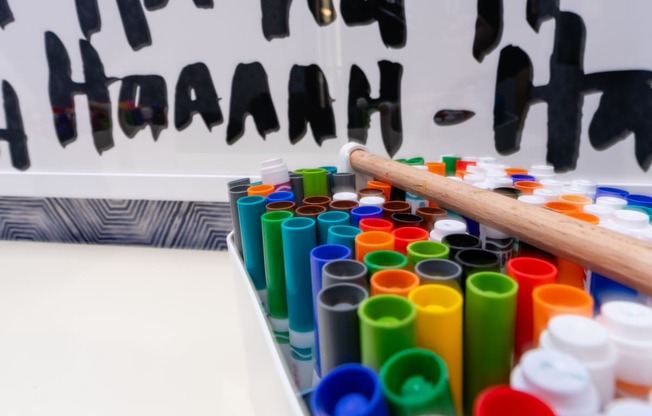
623	258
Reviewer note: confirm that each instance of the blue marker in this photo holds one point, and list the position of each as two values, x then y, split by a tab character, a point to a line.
609	191
520	177
280	196
368	211
639	200
299	238
250	209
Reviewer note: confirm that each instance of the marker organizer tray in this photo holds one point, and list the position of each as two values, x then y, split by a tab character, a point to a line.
268	372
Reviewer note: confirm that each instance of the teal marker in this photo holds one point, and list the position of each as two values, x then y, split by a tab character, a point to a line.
250	209
299	238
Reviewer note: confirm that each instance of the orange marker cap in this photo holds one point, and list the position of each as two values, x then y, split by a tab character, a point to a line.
556	299
438	168
393	282
385	187
369	241
527	187
263	189
561	207
516	171
584	216
579	200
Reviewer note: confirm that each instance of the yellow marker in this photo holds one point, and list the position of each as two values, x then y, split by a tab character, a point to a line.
439	329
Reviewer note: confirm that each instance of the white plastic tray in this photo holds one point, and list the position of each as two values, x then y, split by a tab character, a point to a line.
269	374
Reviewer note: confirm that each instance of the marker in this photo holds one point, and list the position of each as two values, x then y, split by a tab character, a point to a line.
343	205
387	324
497	242
385	187
383	260
250	209
309	211
415	382
345	271
299	238
516	171
571	273
612	201
238	182
235	193
339	325
451	163
438	168
440	271
559	380
376	224
369	241
415	202
527	187
422	250
546	193
519	177
489	314
314	182
374	201
330	171
319	256
588	342
407	220
275	277
263	189
508	192
350	389
320	200
431	215
542	171
630	329
458	242
343	182
296	182
326	220
281	206
505	401
529	273
446	227
554	299
441	307
577	200
275	172
344	235
628	407
393	282
280	196
640	200
406	235
561	207
610	191
365	212
395	207
370	192
474	260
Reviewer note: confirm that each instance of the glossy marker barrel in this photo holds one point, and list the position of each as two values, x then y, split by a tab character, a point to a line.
422	250
555	299
369	241
458	242
441	307
250	209
505	401
235	193
344	235
275	275
345	271
299	238
441	272
319	256
489	314
314	182
384	259
350	389
415	382
529	273
329	219
339	325
393	281
359	213
405	235
387	324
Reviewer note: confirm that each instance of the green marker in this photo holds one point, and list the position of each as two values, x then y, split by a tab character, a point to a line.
384	259
423	250
314	182
451	164
387	326
489	316
415	382
275	276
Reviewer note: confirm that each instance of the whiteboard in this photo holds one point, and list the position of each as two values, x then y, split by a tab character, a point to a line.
438	72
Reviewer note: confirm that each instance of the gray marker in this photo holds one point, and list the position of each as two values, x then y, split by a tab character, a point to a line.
236	192
345	271
440	271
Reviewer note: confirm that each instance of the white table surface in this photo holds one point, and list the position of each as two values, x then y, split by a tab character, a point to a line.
104	330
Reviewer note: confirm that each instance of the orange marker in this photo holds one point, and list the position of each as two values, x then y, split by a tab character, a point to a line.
516	171
385	187
527	187
557	299
369	241
393	282
262	190
561	207
438	168
570	273
577	200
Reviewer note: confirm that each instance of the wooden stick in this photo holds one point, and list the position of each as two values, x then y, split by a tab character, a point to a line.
617	256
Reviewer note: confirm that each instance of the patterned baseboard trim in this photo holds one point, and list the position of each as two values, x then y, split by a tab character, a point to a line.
169	224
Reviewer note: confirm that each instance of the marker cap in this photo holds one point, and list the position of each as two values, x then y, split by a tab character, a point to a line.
376	224
584	217
641	200
552	184
250	209
370	192
527	187
508	191
603	212
383	260
280	196
472	178
559	379
344	235
422	250
262	190
274	268
533	200
309	211
447	227
345	271
505	401
383	186
628	407
458	242
296	182
329	219
345	196
542	170
554	299
431	215
516	171
501	182
369	241
237	191
405	235
610	191
579	200
275	172
403	219
612	201
587	341
359	213
438	168
440	271
395	207
375	201
393	282
562	207
415	381
350	389
387	324
320	200
314	182
343	182
343	205
473	260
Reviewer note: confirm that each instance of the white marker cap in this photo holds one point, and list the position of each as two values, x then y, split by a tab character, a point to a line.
559	380
447	227
603	212
541	172
501	182
496	173
573	190
631	219
475	169
547	193
589	186
552	184
628	407
345	196
372	201
472	178
630	327
615	203
532	200
589	343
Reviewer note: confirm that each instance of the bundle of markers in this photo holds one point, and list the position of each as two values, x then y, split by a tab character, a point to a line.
388	304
